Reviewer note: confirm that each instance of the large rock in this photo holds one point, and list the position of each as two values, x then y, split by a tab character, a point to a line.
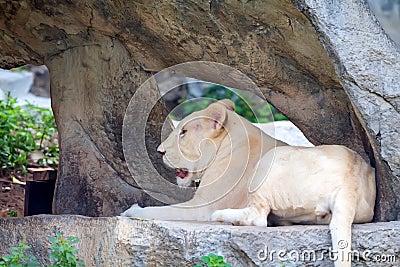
129	242
368	64
327	65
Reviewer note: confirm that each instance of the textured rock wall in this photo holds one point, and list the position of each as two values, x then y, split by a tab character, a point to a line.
368	63
333	82
128	242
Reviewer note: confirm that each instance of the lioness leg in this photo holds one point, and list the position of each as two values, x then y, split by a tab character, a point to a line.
255	213
169	213
343	212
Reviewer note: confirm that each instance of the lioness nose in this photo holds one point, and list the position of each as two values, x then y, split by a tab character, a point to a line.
160	153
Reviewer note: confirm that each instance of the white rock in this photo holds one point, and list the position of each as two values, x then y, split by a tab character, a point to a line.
19	83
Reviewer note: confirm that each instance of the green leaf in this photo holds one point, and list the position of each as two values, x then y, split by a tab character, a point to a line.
32	263
205	259
22	131
63	251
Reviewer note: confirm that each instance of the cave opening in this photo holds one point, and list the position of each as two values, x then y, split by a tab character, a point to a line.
29	151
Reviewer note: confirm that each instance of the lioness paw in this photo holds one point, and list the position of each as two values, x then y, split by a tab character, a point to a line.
239	217
226	215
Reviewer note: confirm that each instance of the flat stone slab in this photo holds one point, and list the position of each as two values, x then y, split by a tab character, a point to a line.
119	241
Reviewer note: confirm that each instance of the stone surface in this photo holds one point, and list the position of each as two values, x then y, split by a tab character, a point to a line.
327	65
368	63
121	241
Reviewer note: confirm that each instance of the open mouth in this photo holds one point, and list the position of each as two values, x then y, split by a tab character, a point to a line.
182	173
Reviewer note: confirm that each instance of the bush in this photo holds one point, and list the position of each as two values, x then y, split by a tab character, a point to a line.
248	105
24	130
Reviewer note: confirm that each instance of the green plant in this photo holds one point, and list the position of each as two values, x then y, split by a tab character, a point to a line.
18	257
45	131
24	130
212	260
64	253
247	104
12	213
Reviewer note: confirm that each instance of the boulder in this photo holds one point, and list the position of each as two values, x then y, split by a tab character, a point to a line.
327	65
119	241
285	131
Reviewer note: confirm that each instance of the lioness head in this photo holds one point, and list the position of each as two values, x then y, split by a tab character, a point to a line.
192	146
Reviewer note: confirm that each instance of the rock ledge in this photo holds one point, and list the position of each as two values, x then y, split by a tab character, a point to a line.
118	241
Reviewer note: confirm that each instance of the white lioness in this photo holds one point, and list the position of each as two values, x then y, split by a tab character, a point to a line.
249	178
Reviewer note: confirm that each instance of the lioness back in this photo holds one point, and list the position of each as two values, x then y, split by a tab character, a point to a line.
302	182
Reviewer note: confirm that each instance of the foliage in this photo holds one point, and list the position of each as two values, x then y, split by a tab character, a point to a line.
18	257
12	213
24	130
247	104
212	260
64	251
63	254
45	131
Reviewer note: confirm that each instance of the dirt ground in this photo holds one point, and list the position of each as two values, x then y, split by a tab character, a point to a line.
12	195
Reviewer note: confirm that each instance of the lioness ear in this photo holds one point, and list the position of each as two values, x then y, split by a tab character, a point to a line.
217	116
228	104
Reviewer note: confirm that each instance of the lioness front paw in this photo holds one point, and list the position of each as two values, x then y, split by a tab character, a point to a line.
132	211
239	217
221	216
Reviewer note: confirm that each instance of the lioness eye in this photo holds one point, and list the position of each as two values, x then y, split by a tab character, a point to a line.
182	133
